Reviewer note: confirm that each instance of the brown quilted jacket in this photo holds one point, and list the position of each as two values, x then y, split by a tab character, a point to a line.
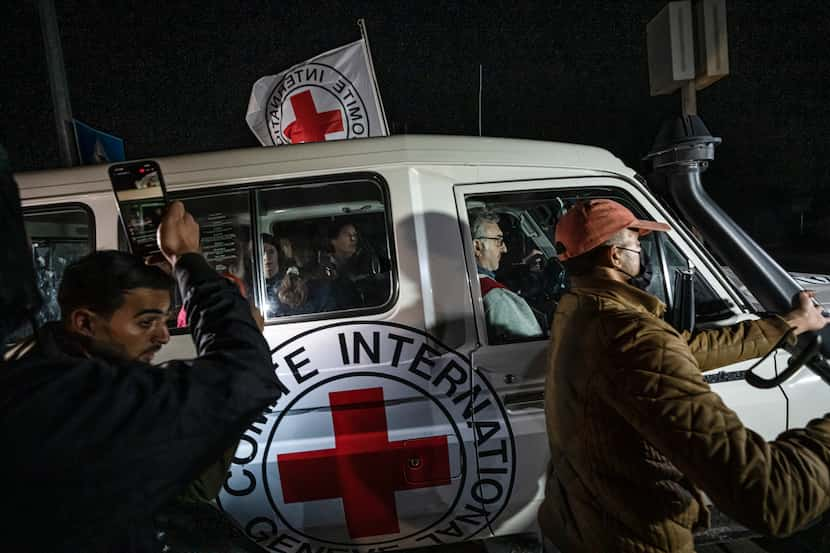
635	433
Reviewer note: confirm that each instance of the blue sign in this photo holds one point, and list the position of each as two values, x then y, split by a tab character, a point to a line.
95	146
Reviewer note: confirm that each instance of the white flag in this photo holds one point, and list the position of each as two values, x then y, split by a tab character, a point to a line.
329	97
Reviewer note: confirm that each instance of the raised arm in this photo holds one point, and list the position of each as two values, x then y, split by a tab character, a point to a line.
717	347
106	442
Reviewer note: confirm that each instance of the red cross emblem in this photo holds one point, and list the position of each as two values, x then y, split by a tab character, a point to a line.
308	124
365	469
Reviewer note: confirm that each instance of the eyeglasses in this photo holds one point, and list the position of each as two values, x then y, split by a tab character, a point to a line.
629	249
499	239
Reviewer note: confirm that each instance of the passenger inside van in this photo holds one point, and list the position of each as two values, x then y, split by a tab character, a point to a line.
359	276
287	291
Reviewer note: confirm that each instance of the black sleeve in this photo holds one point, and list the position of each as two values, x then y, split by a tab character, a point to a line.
19	296
101	444
219	317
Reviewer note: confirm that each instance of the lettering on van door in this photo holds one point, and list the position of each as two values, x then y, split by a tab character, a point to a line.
385	439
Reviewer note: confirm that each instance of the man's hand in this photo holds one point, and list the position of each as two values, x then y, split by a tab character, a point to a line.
807	316
178	233
534	260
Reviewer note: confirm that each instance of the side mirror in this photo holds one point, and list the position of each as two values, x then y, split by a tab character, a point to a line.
682	315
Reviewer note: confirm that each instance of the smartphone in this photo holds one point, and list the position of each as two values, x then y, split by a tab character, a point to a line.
141	198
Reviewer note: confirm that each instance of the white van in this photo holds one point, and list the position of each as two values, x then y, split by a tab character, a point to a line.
404	424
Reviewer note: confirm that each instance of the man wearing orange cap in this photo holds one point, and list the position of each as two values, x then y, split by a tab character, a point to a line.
635	433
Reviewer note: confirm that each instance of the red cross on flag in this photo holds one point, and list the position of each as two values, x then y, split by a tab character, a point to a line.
332	96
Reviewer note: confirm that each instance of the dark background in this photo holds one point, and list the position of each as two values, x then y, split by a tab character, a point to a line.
176	78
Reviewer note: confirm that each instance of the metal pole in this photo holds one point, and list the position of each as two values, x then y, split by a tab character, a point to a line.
688	98
480	93
364	34
57	82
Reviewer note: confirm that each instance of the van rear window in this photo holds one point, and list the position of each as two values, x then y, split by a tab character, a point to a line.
323	247
59	235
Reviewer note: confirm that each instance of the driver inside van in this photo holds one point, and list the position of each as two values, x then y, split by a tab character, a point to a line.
508	315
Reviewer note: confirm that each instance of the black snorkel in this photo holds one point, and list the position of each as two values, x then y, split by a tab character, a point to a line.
681	153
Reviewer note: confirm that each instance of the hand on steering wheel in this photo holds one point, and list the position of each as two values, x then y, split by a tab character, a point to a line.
535	260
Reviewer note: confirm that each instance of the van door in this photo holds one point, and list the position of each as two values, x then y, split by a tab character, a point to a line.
363	447
516	364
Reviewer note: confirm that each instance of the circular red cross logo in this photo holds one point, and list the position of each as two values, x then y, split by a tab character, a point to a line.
383	438
315	103
367	468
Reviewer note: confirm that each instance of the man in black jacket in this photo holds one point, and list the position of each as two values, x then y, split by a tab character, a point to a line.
96	440
19	296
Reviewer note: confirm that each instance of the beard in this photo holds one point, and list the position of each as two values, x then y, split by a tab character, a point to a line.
103	348
107	350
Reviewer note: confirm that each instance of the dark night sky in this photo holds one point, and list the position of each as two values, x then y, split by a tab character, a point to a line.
176	78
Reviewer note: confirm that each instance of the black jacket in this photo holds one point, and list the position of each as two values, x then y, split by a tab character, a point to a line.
93	447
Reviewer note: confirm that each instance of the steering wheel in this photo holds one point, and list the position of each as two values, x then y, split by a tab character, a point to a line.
536	262
536	277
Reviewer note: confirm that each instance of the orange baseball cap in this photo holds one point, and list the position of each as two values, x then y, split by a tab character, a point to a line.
589	223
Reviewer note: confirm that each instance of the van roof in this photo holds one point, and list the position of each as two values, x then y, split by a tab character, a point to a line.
345	154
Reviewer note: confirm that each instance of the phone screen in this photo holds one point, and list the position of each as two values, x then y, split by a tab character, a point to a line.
139	191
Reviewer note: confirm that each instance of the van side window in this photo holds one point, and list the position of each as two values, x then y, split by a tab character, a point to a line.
516	258
59	235
225	238
325	248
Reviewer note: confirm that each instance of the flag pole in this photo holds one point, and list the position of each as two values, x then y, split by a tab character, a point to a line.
361	23
480	93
